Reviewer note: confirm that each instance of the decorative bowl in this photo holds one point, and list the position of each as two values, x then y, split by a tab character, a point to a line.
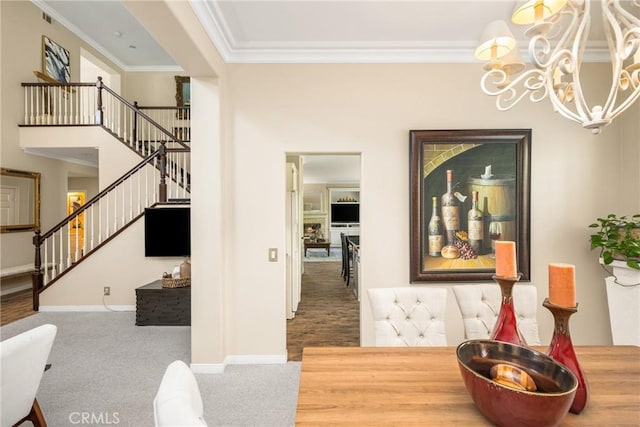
505	405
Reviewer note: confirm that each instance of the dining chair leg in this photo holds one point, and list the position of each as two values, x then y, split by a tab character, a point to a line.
35	416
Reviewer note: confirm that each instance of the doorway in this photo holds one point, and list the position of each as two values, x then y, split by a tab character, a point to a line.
328	309
75	200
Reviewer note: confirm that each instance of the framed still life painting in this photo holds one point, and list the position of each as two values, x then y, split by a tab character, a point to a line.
468	188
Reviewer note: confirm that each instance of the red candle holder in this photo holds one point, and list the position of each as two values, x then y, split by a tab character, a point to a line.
506	328
561	349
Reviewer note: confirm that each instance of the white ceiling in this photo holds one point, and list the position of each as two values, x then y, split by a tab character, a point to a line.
332	169
302	30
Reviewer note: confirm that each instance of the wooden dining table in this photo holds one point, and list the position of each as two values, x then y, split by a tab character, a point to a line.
404	386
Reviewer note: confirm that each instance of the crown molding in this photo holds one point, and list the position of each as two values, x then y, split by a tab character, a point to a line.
233	51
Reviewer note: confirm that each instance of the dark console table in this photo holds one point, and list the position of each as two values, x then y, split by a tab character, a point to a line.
160	306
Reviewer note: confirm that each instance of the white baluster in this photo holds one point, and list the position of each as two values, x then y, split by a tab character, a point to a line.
99	224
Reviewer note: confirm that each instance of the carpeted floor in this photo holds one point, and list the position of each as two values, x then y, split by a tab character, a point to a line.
104	365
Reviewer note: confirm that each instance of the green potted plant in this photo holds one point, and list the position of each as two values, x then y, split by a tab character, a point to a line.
618	239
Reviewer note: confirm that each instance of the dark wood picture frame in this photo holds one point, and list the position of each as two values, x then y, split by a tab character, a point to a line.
183	96
503	196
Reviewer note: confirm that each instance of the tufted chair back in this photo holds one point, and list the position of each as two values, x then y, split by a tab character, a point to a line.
178	402
480	306
409	316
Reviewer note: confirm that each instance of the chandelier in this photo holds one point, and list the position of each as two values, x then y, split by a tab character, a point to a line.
558	36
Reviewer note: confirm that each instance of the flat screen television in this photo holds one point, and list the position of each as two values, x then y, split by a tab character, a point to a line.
345	212
167	232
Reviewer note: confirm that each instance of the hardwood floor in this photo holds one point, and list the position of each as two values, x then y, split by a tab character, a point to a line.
16	306
328	314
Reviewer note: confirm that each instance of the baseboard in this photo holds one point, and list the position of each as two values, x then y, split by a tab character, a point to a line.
97	308
218	368
207	368
268	359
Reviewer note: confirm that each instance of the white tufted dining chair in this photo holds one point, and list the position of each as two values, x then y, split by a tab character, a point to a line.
480	306
409	316
22	363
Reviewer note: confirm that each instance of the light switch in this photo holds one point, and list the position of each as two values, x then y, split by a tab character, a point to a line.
273	254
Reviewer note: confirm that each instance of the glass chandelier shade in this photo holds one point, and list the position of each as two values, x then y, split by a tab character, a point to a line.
558	37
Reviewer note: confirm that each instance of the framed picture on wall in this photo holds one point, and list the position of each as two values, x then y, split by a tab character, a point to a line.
468	188
55	61
183	96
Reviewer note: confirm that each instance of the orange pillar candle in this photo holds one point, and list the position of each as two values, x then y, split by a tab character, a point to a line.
506	259
562	284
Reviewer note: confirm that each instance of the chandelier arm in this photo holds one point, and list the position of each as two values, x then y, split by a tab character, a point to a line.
531	83
627	102
565	112
613	32
577	53
617	40
540	47
630	20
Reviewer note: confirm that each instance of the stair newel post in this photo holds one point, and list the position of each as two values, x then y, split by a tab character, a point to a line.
36	277
99	111
135	122
162	154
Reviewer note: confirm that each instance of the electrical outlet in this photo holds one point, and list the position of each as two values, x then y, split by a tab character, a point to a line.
107	290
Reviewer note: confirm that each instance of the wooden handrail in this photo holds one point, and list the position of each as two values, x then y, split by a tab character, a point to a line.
168	107
137	110
41	240
101	194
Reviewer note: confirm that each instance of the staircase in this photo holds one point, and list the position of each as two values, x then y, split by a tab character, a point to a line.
162	175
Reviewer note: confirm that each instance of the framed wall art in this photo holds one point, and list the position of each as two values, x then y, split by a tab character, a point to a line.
55	61
468	189
183	96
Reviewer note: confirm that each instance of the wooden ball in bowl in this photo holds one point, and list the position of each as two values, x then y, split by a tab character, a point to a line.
509	405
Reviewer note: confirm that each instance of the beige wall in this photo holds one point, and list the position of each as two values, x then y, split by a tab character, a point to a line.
21	29
369	109
88	185
263	112
150	88
120	265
